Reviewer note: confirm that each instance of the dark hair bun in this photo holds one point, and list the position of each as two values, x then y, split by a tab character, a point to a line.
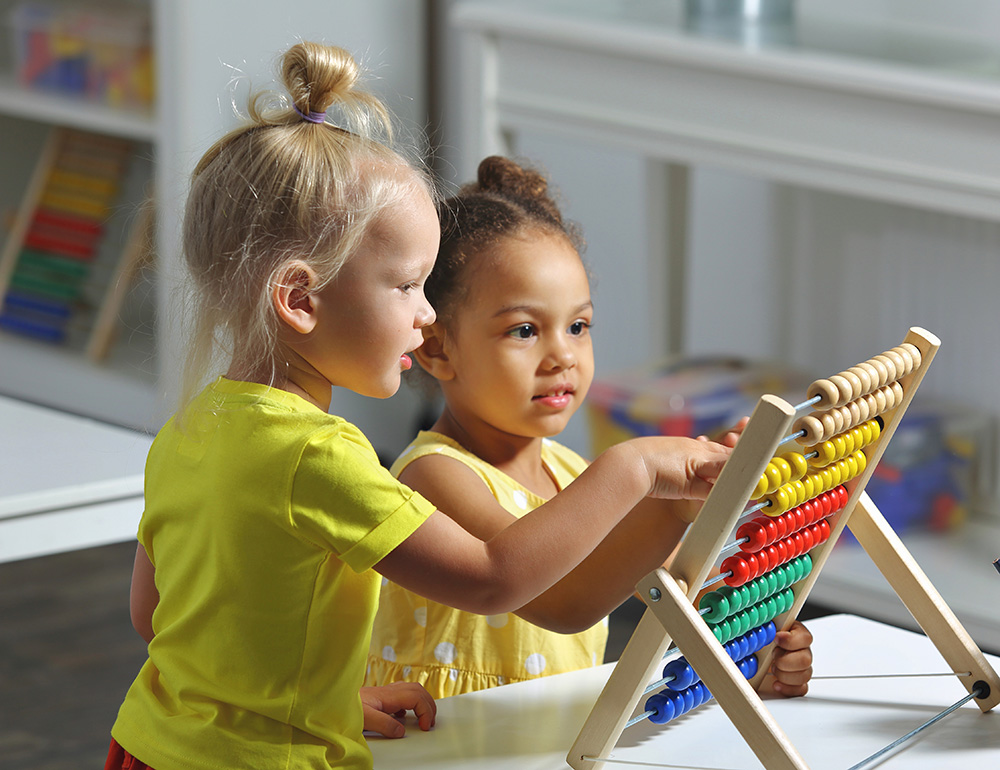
522	184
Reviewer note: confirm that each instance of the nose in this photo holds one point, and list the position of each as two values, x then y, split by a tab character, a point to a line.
561	355
425	316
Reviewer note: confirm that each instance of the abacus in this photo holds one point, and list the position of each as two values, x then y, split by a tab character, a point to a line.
793	506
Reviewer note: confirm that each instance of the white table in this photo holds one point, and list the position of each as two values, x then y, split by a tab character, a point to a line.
531	725
66	482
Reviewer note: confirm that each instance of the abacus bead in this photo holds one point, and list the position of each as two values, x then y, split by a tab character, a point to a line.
840	445
880	400
784	467
717	606
798	492
890	367
873	375
852	464
849	443
753	618
700	693
829	424
773	475
682	673
845	391
862	459
740	568
858	436
863	377
797	462
772	529
898	360
914	352
773	559
877	426
811	427
842	417
689	700
826	452
824	527
883	371
770	632
826	390
783	552
755	534
903	353
780	502
761	489
897	391
864	408
772	578
809	485
662	708
807	538
855	381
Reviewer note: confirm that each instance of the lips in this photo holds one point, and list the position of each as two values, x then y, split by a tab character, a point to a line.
557	397
405	362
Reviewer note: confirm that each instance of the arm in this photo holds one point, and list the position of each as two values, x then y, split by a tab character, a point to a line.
637	544
143	596
508	568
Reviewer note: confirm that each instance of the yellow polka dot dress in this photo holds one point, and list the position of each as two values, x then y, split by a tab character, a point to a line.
450	651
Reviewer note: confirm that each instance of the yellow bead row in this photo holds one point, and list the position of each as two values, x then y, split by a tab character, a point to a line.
816	482
843	444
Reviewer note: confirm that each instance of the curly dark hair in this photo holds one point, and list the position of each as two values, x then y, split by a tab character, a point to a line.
506	200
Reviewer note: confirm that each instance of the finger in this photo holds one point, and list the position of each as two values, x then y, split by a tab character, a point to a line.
382	723
409	696
797	637
792	660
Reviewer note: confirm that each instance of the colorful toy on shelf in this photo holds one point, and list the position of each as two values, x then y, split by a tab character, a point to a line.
58	234
801	497
100	51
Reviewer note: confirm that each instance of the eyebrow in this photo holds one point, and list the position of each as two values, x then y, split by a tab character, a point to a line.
531	309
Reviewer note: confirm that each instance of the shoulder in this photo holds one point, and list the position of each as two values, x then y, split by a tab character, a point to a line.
561	458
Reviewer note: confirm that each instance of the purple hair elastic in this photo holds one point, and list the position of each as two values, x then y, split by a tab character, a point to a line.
312	117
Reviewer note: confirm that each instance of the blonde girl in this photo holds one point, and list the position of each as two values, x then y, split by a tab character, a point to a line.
268	520
511	352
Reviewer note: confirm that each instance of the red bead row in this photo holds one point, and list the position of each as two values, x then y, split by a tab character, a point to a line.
747	566
765	530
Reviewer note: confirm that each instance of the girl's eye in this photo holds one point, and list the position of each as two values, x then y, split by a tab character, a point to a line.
578	328
522	332
406	288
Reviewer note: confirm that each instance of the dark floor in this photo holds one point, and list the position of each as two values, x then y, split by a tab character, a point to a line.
68	654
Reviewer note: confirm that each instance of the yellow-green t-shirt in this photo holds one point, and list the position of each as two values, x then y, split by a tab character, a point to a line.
449	651
263	518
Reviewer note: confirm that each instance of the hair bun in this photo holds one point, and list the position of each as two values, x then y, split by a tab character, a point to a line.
505	177
318	75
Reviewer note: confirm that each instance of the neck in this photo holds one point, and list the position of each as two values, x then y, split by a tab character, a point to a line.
520	457
299	378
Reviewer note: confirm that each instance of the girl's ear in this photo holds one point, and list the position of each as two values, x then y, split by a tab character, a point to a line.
293	297
432	356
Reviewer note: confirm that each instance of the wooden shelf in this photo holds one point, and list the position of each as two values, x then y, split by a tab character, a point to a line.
75	112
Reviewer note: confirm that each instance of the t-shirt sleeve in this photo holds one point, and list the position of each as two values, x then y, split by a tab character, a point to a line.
345	501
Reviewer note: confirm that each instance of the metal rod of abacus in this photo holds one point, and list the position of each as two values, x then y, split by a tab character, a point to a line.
979	690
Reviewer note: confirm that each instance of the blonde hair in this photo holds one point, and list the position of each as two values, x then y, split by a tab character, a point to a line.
285	187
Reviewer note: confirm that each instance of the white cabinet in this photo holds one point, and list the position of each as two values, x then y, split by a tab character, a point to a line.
207	57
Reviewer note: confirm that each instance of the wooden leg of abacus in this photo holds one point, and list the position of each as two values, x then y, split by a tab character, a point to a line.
927	606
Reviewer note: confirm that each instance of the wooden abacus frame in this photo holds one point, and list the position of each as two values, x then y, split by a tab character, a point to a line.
669	593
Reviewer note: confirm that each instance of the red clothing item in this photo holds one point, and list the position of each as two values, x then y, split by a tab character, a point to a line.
119	759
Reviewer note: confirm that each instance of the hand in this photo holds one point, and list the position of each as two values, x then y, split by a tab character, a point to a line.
791	666
680	468
384	707
730	437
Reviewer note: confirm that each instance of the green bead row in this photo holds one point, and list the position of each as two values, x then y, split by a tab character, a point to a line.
753	617
728	600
